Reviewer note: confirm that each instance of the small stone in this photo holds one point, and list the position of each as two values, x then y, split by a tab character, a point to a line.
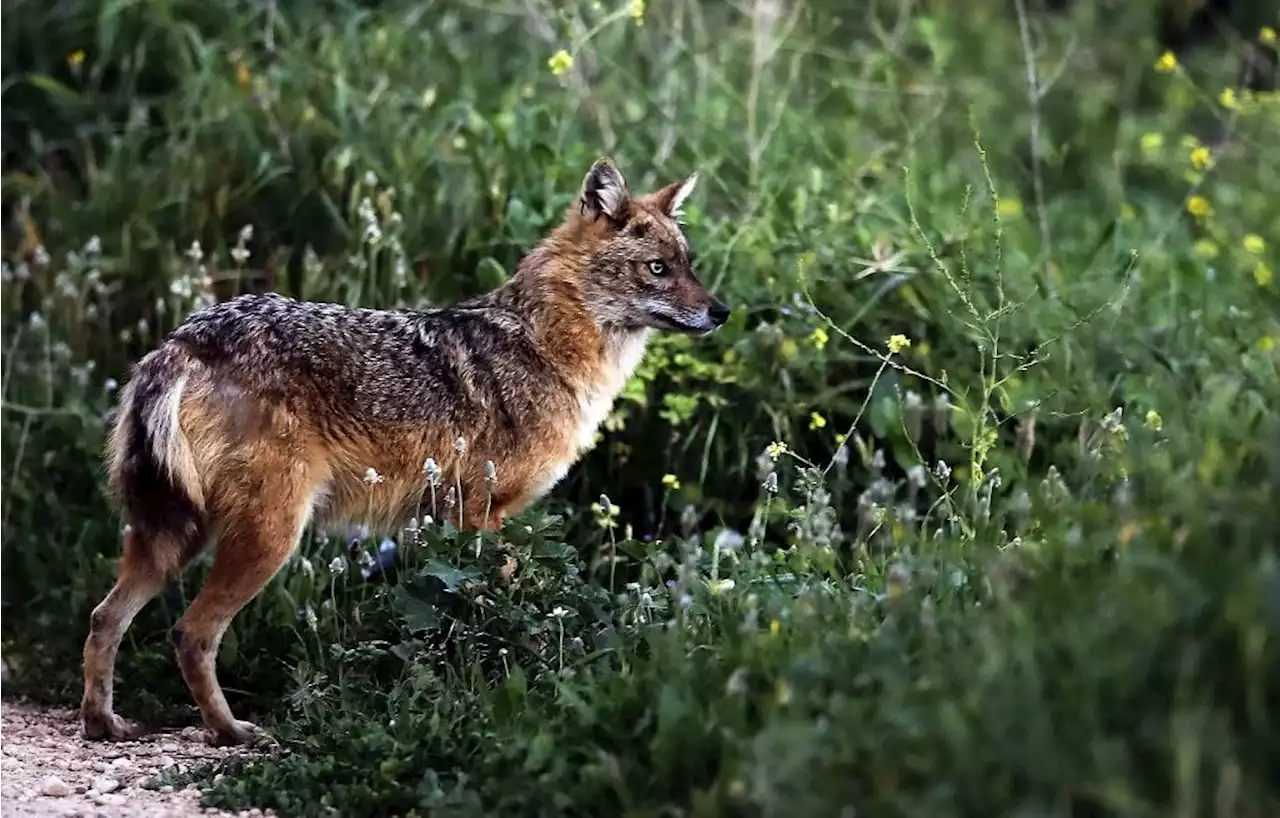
99	766
166	761
104	784
107	800
169	747
54	787
121	763
165	788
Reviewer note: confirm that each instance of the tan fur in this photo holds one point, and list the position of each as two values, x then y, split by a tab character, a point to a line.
262	414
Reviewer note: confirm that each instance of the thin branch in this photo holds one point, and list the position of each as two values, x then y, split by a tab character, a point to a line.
1034	96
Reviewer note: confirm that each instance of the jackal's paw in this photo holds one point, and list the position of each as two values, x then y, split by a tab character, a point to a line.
242	733
99	726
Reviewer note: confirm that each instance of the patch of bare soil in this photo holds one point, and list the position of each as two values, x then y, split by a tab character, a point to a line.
47	768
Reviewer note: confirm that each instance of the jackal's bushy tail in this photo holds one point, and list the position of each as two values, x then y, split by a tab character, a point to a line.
148	455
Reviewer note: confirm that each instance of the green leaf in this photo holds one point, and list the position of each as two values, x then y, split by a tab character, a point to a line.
418	615
451	577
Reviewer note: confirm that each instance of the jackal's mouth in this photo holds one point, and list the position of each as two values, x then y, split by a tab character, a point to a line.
689	325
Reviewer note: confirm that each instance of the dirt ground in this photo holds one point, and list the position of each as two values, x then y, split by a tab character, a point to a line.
48	769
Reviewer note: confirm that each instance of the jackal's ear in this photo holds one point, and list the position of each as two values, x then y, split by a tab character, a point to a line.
604	191
671	198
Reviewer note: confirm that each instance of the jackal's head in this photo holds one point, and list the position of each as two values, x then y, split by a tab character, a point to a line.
640	271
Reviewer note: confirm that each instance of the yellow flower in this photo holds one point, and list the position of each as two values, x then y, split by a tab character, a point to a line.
1227	99
560	62
775	627
897	343
1254	244
244	77
1009	207
1267	34
637	11
671	481
783	692
1201	158
840	439
819	337
1199	206
1151	142
816	421
1263	275
776	449
1207	249
1266	343
76	58
1167	63
1153	420
1128	531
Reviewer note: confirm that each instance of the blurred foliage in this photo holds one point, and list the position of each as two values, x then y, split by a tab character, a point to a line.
1020	559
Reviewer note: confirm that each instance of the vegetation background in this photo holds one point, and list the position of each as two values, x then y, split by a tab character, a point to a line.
970	510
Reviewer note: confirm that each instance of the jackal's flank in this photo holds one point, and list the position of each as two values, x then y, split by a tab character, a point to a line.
263	413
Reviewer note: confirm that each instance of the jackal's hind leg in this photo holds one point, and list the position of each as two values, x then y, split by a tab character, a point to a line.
151	558
253	546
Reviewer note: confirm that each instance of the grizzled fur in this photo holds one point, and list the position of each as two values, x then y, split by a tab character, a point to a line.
263	413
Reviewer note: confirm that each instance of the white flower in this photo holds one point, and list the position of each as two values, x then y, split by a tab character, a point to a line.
432	471
372	477
338	565
559	612
721	585
728	540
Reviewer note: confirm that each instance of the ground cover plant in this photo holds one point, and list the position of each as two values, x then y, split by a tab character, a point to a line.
969	510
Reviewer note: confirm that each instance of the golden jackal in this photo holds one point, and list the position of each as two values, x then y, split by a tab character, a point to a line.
262	413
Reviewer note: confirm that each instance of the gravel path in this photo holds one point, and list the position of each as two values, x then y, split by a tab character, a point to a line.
48	769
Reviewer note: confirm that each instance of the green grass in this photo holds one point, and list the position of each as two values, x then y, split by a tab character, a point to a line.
968	511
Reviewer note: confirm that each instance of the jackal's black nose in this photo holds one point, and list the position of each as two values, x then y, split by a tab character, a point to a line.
719	312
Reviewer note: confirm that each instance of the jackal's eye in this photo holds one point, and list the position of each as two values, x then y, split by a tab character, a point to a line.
658	267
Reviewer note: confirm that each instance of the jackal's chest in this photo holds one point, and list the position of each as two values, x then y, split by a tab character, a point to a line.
593	405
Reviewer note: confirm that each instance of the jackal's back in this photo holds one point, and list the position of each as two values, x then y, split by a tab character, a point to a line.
381	366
